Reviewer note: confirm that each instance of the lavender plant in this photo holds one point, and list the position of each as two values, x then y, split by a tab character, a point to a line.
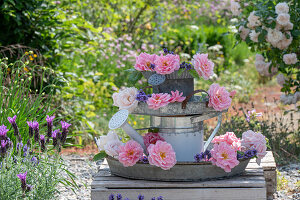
33	172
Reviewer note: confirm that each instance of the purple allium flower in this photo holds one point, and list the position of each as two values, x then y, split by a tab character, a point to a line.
119	197
141	197
144	159
49	125
65	131
141	96
22	178
12	121
42	142
111	197
3	132
36	129
30	125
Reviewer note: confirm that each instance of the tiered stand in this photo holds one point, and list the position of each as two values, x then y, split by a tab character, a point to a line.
181	125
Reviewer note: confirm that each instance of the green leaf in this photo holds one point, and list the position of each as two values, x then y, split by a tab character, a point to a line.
194	73
99	156
296	33
134	76
180	71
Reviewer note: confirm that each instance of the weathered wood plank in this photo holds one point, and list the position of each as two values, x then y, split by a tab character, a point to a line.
186	194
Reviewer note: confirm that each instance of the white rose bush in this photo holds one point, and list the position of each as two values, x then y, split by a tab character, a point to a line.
271	29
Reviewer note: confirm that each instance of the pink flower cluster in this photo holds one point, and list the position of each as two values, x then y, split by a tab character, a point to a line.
159	100
162	155
257	141
152	138
230	139
219	97
163	64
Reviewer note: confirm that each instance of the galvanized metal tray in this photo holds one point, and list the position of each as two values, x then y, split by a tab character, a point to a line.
182	171
194	107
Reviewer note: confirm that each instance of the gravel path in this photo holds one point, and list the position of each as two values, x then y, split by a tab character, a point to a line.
84	169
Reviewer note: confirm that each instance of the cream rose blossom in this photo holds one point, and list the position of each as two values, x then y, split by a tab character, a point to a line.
126	99
290	59
244	32
285	42
283	19
235	8
253	20
254	36
281	8
281	79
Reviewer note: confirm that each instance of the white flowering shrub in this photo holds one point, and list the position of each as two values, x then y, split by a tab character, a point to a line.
271	28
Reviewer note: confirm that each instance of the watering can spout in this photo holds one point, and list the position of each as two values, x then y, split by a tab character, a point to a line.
119	120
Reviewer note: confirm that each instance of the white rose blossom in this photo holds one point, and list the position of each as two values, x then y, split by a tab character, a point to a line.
284	43
281	79
109	143
283	19
281	8
263	68
235	8
290	59
254	36
253	20
112	148
244	32
287	27
274	36
126	99
290	99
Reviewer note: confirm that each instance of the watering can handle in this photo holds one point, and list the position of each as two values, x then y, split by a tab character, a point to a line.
183	106
214	132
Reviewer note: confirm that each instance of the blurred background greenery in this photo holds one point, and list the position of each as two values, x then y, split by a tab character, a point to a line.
89	44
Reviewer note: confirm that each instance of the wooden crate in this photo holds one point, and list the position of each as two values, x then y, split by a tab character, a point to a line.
250	185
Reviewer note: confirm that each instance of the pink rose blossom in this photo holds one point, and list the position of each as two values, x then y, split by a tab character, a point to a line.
161	155
224	156
230	139
144	61
152	138
167	64
159	100
257	141
203	65
130	153
219	97
176	96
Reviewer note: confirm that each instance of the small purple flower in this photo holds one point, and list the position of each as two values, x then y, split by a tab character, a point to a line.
49	125
25	149
141	96
34	160
141	197
31	126
22	178
119	197
3	132
152	66
12	121
160	198
36	129
153	198
203	156
42	142
19	146
111	197
65	131
144	159
252	115
126	198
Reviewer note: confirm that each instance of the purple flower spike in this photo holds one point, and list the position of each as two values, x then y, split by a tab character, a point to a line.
22	178
141	197
119	197
65	131
55	136
25	149
3	132
42	142
36	129
34	160
111	197
160	198
49	125
31	126
12	120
